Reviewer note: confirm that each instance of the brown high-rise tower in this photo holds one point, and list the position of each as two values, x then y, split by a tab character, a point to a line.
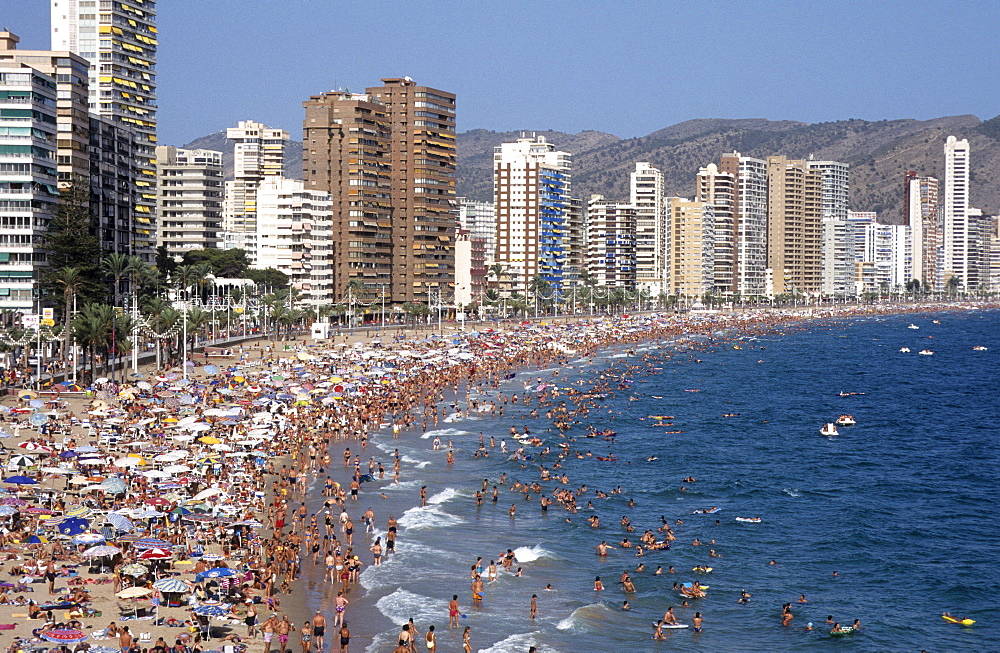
345	144
422	159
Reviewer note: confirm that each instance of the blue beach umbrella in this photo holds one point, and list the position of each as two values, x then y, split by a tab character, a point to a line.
73	526
20	480
121	522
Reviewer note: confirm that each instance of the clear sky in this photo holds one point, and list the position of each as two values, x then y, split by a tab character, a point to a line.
623	67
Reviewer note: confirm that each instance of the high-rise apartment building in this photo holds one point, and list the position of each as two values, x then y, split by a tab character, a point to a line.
574	242
422	161
956	207
480	220
345	146
837	266
94	152
28	179
293	236
258	154
646	195
119	40
718	190
189	194
692	247
751	222
921	212
611	243
794	226
531	189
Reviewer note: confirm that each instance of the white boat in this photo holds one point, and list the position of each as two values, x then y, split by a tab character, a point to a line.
913	326
829	429
904	350
926	352
749	520
845	420
979	348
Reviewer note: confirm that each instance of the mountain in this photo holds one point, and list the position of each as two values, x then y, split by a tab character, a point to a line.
879	154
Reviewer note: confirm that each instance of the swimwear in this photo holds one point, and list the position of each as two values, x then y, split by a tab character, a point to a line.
344	641
282	638
268	637
318	630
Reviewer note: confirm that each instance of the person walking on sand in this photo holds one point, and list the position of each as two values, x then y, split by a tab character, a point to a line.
305	636
251	619
345	638
319	628
341	603
283	629
268	629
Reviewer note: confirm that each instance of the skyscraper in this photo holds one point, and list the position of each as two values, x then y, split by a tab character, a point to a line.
921	212
345	149
692	247
611	246
751	221
28	192
646	195
422	160
258	154
956	208
531	190
837	267
794	226
189	193
118	39
718	190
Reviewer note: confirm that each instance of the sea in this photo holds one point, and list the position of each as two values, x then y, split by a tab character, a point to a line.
892	522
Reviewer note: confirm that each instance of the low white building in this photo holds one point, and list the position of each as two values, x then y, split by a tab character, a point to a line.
293	235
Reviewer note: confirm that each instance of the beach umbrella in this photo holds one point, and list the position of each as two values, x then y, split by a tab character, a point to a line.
176	469
114	485
210	459
150	513
120	522
20	480
130	538
206	493
156	473
17	502
78	511
211	610
73	526
151	543
88	538
58	470
35	539
134	570
134	592
21	460
155	554
101	551
128	461
64	636
212	557
218	572
171	585
103	649
7	511
157	501
68	454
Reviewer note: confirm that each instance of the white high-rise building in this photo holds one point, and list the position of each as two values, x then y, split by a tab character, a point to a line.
922	214
294	228
189	199
611	249
956	209
531	190
837	265
718	190
646	195
887	247
119	40
751	222
480	220
258	154
28	179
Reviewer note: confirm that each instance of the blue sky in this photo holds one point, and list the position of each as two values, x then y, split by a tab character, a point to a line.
624	67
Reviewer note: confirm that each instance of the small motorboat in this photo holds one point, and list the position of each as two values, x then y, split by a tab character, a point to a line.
904	350
926	352
979	348
845	420
828	429
913	326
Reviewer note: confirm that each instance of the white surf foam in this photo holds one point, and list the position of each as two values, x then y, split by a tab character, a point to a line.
444	434
400	605
443	495
531	553
518	643
587	617
428	517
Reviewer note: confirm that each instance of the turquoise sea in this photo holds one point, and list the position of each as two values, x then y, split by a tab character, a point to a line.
901	506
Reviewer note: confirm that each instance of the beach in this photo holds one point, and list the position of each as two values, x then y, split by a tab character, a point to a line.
369	397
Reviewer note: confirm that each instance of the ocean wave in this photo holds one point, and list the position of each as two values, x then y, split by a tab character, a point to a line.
400	605
531	553
404	485
586	618
428	517
517	643
792	492
423	464
443	495
444	433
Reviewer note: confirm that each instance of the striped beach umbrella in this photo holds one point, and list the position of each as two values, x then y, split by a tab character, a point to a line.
120	522
172	585
155	554
151	543
64	636
78	511
134	569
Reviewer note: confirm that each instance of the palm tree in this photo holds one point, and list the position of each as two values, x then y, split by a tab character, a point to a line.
355	287
117	265
72	281
185	277
538	286
497	271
